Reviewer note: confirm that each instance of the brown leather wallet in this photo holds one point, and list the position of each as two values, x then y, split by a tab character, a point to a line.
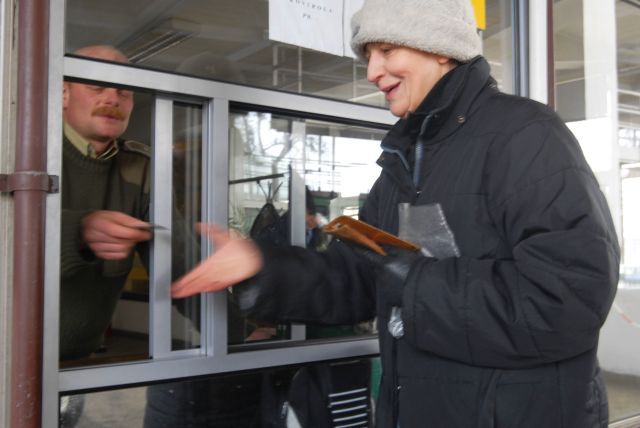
357	231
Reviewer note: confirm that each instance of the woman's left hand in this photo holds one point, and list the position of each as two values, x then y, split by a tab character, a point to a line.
233	261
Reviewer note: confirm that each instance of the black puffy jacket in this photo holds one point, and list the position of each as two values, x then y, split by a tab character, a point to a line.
506	334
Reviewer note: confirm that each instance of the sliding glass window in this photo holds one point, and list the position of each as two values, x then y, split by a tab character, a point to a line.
338	165
597	84
104	301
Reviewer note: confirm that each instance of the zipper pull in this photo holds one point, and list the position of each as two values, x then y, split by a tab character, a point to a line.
417	163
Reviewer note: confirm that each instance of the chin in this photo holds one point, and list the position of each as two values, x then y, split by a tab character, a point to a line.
399	111
105	138
111	134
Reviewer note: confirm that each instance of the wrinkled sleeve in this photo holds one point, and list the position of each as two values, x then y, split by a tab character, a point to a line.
547	300
72	255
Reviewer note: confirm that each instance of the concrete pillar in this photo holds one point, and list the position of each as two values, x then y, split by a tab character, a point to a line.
601	95
538	64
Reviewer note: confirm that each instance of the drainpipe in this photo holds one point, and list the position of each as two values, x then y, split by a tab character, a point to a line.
551	65
29	185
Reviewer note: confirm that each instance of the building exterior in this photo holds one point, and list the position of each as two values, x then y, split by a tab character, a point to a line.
234	120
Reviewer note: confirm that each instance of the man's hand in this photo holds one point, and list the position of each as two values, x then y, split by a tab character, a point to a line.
111	235
233	261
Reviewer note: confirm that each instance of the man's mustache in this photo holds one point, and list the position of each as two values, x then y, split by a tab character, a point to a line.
109	111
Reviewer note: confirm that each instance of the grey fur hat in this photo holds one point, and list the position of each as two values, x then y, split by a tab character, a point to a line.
443	27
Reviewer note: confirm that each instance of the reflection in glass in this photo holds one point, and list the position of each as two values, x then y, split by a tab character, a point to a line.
216	40
220	41
497	42
569	60
628	34
187	193
103	324
622	330
581	96
337	162
307	395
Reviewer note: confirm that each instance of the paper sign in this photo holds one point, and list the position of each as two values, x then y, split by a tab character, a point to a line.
313	24
350	7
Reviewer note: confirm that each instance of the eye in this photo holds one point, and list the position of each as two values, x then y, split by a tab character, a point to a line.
386	49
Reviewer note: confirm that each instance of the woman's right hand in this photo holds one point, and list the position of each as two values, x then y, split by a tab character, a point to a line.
233	261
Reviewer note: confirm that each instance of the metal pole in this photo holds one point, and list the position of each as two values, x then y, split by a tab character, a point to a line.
551	67
29	209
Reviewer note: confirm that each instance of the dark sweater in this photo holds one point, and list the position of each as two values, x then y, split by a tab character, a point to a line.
90	287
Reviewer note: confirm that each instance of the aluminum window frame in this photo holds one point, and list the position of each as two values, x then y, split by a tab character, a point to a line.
216	97
213	356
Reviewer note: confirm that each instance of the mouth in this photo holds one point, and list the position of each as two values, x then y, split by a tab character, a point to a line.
389	90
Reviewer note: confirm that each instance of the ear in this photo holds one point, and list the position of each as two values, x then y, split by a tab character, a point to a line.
442	60
65	94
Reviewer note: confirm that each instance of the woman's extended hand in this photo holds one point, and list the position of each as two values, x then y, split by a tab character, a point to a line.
233	261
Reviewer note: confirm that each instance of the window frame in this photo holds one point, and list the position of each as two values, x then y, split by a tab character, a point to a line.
213	356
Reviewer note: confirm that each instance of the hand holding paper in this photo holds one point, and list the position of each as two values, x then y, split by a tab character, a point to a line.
361	233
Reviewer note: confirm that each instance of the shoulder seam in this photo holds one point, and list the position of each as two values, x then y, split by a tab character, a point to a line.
136	147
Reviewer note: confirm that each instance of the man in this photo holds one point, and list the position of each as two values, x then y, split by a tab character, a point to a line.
105	206
502	329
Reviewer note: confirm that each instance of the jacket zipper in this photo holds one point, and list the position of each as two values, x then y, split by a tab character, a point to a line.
419	154
395	412
417	169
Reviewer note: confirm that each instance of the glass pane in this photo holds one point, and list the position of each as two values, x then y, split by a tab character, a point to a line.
104	312
337	162
187	186
217	40
623	325
569	60
628	34
322	393
104	297
220	40
582	93
497	42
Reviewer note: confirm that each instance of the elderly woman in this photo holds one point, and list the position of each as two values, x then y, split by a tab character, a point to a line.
501	333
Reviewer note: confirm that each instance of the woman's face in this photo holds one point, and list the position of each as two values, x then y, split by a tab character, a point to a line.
405	75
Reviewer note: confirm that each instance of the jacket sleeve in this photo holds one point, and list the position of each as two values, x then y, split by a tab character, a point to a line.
333	287
546	296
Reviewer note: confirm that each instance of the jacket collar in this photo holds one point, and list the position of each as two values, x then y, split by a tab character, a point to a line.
448	105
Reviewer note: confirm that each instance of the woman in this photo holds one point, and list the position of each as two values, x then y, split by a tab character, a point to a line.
506	333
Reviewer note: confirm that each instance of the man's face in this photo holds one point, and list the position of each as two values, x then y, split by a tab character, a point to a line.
405	75
310	220
98	113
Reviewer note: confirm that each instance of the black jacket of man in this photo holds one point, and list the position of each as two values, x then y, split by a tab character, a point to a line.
506	334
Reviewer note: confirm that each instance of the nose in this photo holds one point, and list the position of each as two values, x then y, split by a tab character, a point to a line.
375	69
110	96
